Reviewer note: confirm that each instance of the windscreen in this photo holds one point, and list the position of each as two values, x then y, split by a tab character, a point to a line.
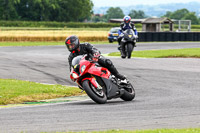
76	60
129	32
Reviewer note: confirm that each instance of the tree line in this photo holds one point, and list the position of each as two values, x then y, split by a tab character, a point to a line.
117	13
181	14
45	10
74	11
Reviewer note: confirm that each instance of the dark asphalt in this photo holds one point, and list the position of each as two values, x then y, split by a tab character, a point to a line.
167	92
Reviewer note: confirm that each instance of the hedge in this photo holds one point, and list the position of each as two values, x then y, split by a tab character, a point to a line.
67	24
58	24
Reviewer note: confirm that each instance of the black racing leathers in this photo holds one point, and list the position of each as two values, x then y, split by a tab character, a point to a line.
88	49
84	48
131	25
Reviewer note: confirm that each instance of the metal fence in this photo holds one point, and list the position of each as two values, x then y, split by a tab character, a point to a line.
168	36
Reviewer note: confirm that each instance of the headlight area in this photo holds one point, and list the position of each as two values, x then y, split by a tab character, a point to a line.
74	75
83	68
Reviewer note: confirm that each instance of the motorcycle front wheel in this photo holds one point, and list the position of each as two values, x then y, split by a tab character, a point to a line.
97	95
129	93
129	49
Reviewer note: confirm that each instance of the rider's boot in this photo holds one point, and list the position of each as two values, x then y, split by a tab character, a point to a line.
123	53
119	76
119	46
135	45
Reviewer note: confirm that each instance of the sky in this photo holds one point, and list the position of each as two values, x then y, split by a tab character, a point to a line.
119	3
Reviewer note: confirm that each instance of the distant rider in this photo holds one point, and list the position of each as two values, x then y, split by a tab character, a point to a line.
127	24
74	46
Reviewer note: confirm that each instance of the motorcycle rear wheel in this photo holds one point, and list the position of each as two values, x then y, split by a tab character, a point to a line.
96	95
129	93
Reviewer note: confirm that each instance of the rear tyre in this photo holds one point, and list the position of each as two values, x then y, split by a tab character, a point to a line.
129	49
129	93
97	95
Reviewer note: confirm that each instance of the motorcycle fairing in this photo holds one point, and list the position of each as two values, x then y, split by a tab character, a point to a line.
129	36
73	75
98	71
113	90
92	80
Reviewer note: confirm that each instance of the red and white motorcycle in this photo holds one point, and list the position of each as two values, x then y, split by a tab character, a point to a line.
99	84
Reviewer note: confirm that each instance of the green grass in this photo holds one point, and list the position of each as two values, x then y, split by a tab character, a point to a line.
189	52
31	43
80	29
17	91
52	28
43	43
190	130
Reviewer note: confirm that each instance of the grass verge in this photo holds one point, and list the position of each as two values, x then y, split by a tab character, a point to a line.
44	43
17	91
31	43
52	28
170	53
189	130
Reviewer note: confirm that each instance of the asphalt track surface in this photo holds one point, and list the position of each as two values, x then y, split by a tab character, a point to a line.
167	91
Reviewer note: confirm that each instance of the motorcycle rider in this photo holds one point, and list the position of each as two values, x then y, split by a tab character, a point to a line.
127	24
74	46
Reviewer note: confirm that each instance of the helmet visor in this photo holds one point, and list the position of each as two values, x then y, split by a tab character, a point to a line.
71	46
127	20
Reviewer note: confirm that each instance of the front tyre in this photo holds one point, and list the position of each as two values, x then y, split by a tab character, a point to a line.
129	93
97	95
129	49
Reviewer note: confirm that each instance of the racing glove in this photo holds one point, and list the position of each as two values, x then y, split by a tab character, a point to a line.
96	56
